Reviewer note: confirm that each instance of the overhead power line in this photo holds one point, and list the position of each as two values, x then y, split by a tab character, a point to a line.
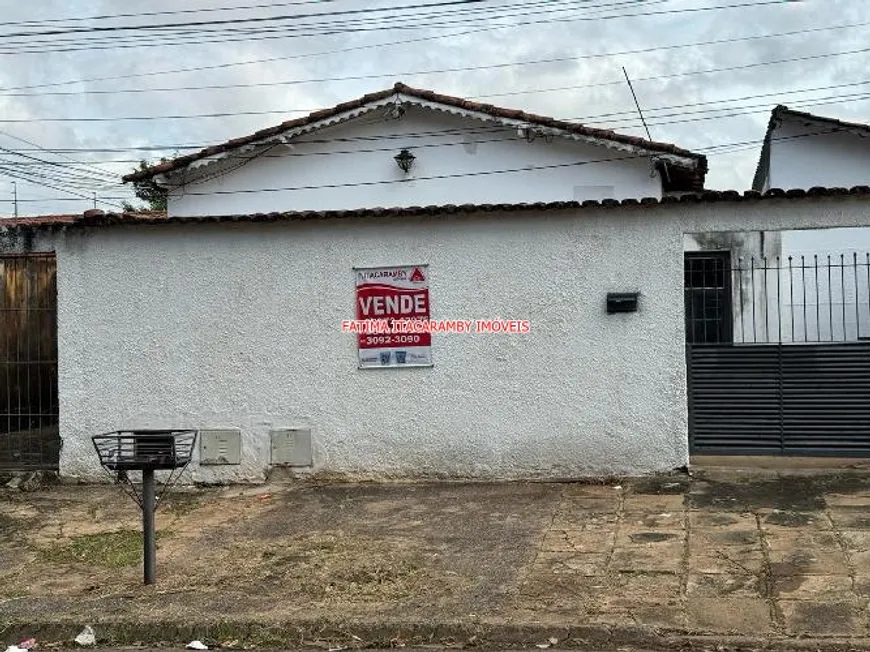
377	45
711	150
102	44
226	114
458	17
233	21
438	71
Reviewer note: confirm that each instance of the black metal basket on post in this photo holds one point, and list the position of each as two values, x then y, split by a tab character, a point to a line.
138	450
146	451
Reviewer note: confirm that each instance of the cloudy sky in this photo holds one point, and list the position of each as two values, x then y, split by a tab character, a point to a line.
88	87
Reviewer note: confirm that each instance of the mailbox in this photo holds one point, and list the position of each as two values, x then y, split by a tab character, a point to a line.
622	302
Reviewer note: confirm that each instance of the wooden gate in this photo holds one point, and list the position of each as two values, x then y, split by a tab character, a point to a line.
29	437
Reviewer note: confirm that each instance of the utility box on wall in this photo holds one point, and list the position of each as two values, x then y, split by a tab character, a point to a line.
220	447
291	447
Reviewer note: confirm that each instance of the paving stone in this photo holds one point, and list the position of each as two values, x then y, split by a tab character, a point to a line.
661	557
712	519
861	586
570	563
580	541
729	615
790	540
727	538
715	585
850	518
807	562
773	520
632	536
860	499
659	615
860	562
856	540
822	618
822	588
706	556
579	518
653	503
654	520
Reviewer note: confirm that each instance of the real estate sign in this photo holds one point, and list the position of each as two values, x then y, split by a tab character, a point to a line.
388	300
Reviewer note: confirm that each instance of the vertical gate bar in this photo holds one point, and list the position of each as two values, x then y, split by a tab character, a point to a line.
804	290
752	274
40	336
740	289
843	291
705	268
791	294
868	284
766	302
18	348
781	399
818	322
830	301
857	305
7	411
36	451
778	299
689	299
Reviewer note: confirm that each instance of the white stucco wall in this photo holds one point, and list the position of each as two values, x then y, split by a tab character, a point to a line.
351	166
238	326
803	156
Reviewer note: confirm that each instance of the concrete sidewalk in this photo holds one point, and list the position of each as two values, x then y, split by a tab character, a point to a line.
667	561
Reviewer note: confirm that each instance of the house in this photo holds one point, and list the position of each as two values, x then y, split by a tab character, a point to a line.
459	152
228	314
802	150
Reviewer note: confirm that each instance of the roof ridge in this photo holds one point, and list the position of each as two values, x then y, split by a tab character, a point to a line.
698	165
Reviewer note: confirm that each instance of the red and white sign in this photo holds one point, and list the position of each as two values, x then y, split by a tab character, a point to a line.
393	293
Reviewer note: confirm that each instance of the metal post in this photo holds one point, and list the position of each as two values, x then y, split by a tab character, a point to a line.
149	504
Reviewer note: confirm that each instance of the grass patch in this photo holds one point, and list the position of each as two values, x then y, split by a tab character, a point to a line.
342	568
181	503
107	549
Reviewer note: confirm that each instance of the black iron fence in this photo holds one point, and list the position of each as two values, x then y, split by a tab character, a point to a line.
791	299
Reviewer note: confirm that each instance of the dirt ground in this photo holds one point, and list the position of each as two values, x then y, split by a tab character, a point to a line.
771	555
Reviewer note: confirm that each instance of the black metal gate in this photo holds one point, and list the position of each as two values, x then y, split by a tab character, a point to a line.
778	355
29	438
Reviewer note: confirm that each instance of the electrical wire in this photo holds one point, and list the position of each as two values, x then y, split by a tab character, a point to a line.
711	150
101	44
616	82
404	42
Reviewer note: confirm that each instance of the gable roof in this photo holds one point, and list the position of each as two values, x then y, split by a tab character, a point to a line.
688	168
781	112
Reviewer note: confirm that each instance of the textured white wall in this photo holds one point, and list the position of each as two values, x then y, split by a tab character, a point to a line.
360	172
803	156
238	326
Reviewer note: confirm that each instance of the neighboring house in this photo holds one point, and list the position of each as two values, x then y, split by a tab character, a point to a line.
781	278
458	152
802	150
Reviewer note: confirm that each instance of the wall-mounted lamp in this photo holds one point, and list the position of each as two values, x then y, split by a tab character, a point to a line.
405	160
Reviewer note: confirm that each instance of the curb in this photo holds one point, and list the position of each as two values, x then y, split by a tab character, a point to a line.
357	635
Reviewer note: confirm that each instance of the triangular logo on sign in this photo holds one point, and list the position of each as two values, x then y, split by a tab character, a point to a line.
417	276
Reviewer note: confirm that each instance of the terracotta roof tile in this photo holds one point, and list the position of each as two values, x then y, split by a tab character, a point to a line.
699	161
97	218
